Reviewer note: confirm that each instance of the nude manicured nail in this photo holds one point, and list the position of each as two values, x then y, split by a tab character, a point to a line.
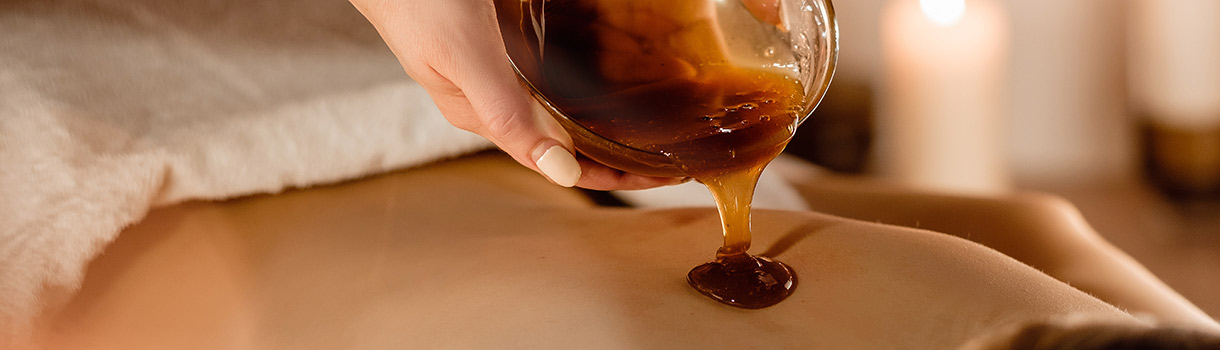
560	166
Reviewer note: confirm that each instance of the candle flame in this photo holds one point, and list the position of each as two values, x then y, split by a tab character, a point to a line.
943	12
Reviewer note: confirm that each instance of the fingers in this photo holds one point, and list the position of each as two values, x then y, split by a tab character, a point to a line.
479	108
462	63
556	163
506	114
766	11
503	112
518	134
600	177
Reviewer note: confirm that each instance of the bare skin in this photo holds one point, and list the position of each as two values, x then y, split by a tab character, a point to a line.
481	253
1042	231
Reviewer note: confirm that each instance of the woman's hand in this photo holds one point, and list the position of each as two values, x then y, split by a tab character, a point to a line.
453	48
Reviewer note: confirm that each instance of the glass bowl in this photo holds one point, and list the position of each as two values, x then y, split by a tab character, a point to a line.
798	38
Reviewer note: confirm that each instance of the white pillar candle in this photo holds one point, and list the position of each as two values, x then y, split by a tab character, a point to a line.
1067	86
1175	83
942	115
1175	62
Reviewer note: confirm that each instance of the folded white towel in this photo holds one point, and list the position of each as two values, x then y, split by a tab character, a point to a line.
111	107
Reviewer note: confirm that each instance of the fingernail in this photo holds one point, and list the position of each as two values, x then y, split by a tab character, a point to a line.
560	166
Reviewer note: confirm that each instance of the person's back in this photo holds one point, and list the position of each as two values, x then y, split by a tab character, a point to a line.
479	253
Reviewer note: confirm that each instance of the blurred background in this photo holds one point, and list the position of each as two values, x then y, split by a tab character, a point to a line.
1113	105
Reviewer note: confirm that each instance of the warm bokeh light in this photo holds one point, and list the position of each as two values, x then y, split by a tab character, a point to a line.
943	12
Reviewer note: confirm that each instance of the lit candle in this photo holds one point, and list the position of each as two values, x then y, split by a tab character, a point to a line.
941	122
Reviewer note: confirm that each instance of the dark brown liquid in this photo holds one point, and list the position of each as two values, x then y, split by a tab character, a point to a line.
744	280
659	83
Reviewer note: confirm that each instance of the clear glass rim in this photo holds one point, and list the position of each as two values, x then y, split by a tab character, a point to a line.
820	91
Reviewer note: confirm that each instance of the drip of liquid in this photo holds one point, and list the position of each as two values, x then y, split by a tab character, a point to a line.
736	277
662	88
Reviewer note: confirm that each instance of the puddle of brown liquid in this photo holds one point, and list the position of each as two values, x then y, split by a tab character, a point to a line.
736	277
746	281
676	97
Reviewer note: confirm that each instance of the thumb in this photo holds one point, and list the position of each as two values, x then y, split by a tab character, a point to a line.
462	62
528	133
517	123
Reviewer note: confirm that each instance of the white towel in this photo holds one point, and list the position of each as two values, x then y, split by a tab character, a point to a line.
109	108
